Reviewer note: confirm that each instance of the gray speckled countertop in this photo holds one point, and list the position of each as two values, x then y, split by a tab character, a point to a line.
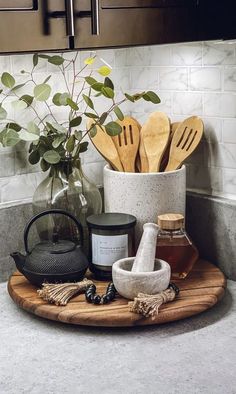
196	355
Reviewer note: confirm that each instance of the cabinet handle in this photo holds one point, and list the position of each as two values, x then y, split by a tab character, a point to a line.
95	17
70	26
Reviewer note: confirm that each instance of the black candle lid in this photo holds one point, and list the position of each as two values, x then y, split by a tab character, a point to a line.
111	221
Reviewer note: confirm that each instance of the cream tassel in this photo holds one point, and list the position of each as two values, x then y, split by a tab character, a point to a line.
61	293
148	305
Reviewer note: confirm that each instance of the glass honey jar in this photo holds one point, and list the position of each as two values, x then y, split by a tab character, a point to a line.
175	246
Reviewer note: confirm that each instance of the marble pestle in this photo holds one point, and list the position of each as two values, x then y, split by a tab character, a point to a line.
145	257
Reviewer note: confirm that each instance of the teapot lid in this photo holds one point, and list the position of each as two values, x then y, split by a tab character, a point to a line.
60	246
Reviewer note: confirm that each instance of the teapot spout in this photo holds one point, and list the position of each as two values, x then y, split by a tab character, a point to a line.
19	260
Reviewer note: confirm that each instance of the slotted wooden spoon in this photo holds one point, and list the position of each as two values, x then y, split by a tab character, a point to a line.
127	143
105	146
185	140
155	135
165	158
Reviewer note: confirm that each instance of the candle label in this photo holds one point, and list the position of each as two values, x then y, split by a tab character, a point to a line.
108	249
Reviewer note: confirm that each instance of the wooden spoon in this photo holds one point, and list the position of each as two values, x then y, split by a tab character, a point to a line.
127	143
105	146
142	154
185	140
155	134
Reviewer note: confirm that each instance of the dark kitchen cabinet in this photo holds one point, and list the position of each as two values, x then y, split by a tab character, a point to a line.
25	26
134	22
46	25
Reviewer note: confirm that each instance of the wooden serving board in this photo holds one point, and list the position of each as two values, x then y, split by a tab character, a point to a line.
202	289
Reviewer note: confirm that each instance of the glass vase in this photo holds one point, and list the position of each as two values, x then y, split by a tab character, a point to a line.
66	187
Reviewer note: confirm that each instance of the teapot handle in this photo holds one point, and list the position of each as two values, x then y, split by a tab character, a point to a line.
48	212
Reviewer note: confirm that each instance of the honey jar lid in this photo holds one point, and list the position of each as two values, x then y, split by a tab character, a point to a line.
170	221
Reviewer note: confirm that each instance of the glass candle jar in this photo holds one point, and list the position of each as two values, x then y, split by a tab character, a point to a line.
111	237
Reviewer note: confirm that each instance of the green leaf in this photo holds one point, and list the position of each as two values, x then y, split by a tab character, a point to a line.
104	71
113	128
44	165
19	105
118	113
17	87
97	86
50	127
108	83
58	141
108	92
83	146
42	92
90	80
98	94
26	136
72	104
44	56
89	60
130	98
8	80
91	115
34	157
93	131
56	99
13	126
3	113
63	98
11	138
35	59
27	99
76	121
58	127
2	135
56	60
103	117
52	157
88	101
151	96
78	135
70	144
33	128
47	79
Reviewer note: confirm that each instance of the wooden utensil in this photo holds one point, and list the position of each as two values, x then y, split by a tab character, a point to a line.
127	143
165	158
155	134
142	155
185	140
105	146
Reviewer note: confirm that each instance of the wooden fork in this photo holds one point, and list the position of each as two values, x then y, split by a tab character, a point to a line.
127	143
185	140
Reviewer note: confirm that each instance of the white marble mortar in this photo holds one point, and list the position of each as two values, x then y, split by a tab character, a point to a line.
144	195
129	284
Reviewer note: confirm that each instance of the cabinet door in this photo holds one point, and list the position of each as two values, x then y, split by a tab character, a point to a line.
134	22
31	25
217	19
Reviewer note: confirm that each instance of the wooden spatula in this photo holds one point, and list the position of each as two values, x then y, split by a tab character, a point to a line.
165	158
155	134
127	143
185	140
105	146
142	154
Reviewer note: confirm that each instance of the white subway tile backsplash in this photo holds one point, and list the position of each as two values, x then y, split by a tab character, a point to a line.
220	104
187	103
173	78
230	79
229	130
190	79
187	54
218	53
144	78
206	78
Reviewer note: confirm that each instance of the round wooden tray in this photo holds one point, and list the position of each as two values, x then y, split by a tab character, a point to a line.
202	289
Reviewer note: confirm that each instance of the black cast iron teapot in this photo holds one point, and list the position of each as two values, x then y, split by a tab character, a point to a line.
52	261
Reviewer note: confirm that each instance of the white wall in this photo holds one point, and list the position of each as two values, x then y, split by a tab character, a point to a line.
191	79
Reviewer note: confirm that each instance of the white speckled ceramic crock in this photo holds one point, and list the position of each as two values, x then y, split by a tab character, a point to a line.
144	195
